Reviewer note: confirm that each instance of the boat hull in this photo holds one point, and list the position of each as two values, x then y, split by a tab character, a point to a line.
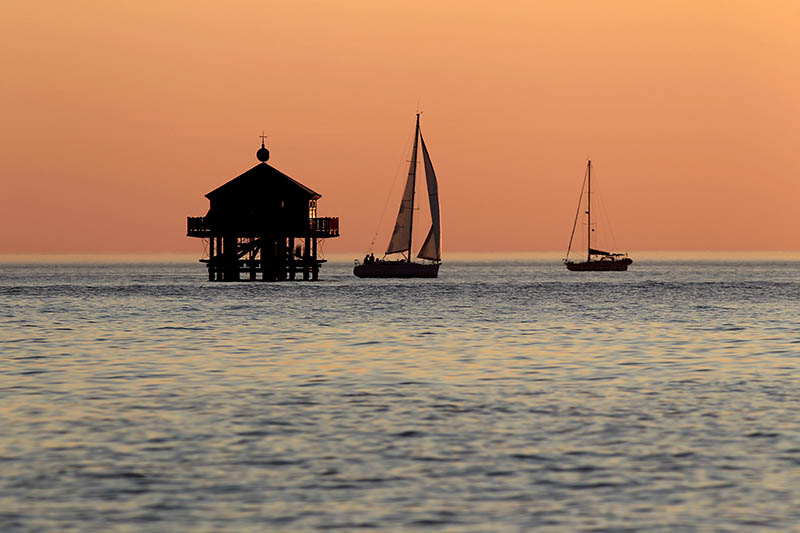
617	265
397	269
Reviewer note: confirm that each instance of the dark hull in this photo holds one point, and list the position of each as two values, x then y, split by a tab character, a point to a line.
617	265
397	269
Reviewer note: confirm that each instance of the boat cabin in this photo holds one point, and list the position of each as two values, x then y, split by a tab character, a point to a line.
262	225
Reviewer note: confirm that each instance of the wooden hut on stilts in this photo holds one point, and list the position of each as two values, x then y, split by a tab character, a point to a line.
262	225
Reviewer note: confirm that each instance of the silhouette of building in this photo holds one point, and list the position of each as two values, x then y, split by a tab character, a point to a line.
262	225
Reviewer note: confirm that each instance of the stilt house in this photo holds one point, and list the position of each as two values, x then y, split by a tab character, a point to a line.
262	225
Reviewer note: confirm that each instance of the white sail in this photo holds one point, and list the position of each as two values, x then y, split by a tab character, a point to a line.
431	248
401	236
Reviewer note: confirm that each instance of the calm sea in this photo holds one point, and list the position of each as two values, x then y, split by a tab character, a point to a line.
507	395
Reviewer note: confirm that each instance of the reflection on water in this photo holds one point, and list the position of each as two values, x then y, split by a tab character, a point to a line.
502	396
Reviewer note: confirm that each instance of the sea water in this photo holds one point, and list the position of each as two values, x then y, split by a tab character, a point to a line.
507	395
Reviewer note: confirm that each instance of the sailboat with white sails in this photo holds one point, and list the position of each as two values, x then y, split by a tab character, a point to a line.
400	243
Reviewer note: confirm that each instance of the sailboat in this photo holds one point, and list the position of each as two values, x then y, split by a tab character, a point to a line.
400	243
596	260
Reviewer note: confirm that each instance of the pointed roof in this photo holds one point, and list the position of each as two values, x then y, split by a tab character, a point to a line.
259	177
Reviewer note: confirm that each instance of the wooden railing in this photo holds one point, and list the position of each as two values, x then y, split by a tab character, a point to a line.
324	227
197	227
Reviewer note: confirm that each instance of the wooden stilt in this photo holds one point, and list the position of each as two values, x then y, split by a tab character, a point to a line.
218	266
314	263
307	259
292	259
210	264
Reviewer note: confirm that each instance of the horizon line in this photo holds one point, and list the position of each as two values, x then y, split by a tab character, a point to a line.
347	257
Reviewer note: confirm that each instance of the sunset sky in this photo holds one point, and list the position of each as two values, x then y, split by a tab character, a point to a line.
119	116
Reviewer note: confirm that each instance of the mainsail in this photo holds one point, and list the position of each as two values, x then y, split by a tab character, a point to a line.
431	249
401	236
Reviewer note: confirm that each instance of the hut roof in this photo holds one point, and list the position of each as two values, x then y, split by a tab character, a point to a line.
260	177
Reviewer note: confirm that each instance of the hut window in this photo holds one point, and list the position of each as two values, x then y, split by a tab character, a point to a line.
312	209
282	204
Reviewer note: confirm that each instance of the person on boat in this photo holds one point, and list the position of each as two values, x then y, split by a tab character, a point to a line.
366	259
371	259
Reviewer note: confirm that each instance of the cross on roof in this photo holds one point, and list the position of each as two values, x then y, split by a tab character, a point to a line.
263	137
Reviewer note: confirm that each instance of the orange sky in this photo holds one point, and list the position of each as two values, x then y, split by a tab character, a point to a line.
119	116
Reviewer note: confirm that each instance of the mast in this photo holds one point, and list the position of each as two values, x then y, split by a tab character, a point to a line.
413	186
589	211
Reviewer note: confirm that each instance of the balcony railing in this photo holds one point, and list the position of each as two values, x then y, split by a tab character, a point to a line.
324	227
197	227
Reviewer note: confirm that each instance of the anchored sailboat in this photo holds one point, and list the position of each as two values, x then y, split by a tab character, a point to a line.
596	260
400	243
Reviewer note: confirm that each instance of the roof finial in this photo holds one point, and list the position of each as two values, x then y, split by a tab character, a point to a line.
262	154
